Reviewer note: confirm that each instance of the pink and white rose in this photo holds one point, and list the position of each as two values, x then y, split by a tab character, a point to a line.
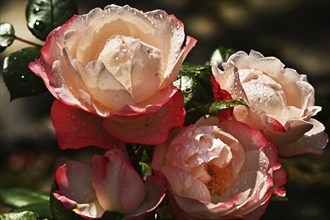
280	101
118	64
111	184
224	170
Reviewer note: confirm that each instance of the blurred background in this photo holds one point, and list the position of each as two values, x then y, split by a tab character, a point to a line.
295	31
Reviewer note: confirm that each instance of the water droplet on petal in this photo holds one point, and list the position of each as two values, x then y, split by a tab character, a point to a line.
24	79
39	25
36	10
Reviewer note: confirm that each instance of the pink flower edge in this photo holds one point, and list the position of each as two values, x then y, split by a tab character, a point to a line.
151	127
75	128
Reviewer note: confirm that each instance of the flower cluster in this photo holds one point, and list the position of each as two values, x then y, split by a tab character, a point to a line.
112	73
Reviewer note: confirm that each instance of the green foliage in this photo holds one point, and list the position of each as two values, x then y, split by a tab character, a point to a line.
25	215
188	86
215	107
45	15
26	203
40	210
7	35
20	197
201	76
20	81
279	199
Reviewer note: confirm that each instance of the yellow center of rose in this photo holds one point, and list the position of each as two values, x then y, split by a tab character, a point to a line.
220	177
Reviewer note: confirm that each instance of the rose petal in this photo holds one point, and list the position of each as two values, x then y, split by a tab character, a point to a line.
74	181
145	81
294	130
169	28
270	66
150	127
154	28
306	95
51	51
182	183
75	128
155	187
233	83
118	186
242	60
258	119
312	142
105	89
190	43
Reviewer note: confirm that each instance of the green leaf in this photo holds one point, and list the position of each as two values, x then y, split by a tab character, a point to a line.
279	199
220	56
7	35
58	210
194	69
45	15
194	82
216	107
188	86
20	197
20	81
41	210
25	215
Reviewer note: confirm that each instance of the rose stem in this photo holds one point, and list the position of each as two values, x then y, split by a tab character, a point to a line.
27	42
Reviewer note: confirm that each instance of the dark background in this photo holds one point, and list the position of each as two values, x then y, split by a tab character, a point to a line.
296	32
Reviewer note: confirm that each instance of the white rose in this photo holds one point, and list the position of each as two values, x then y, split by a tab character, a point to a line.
281	101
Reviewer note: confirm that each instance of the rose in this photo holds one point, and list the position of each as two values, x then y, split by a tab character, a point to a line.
111	184
224	170
281	101
119	64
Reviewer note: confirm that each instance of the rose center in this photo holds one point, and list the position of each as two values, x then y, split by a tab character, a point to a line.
263	91
219	179
136	65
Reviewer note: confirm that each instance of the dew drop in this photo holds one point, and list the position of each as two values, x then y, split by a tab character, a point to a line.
39	25
24	79
36	10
